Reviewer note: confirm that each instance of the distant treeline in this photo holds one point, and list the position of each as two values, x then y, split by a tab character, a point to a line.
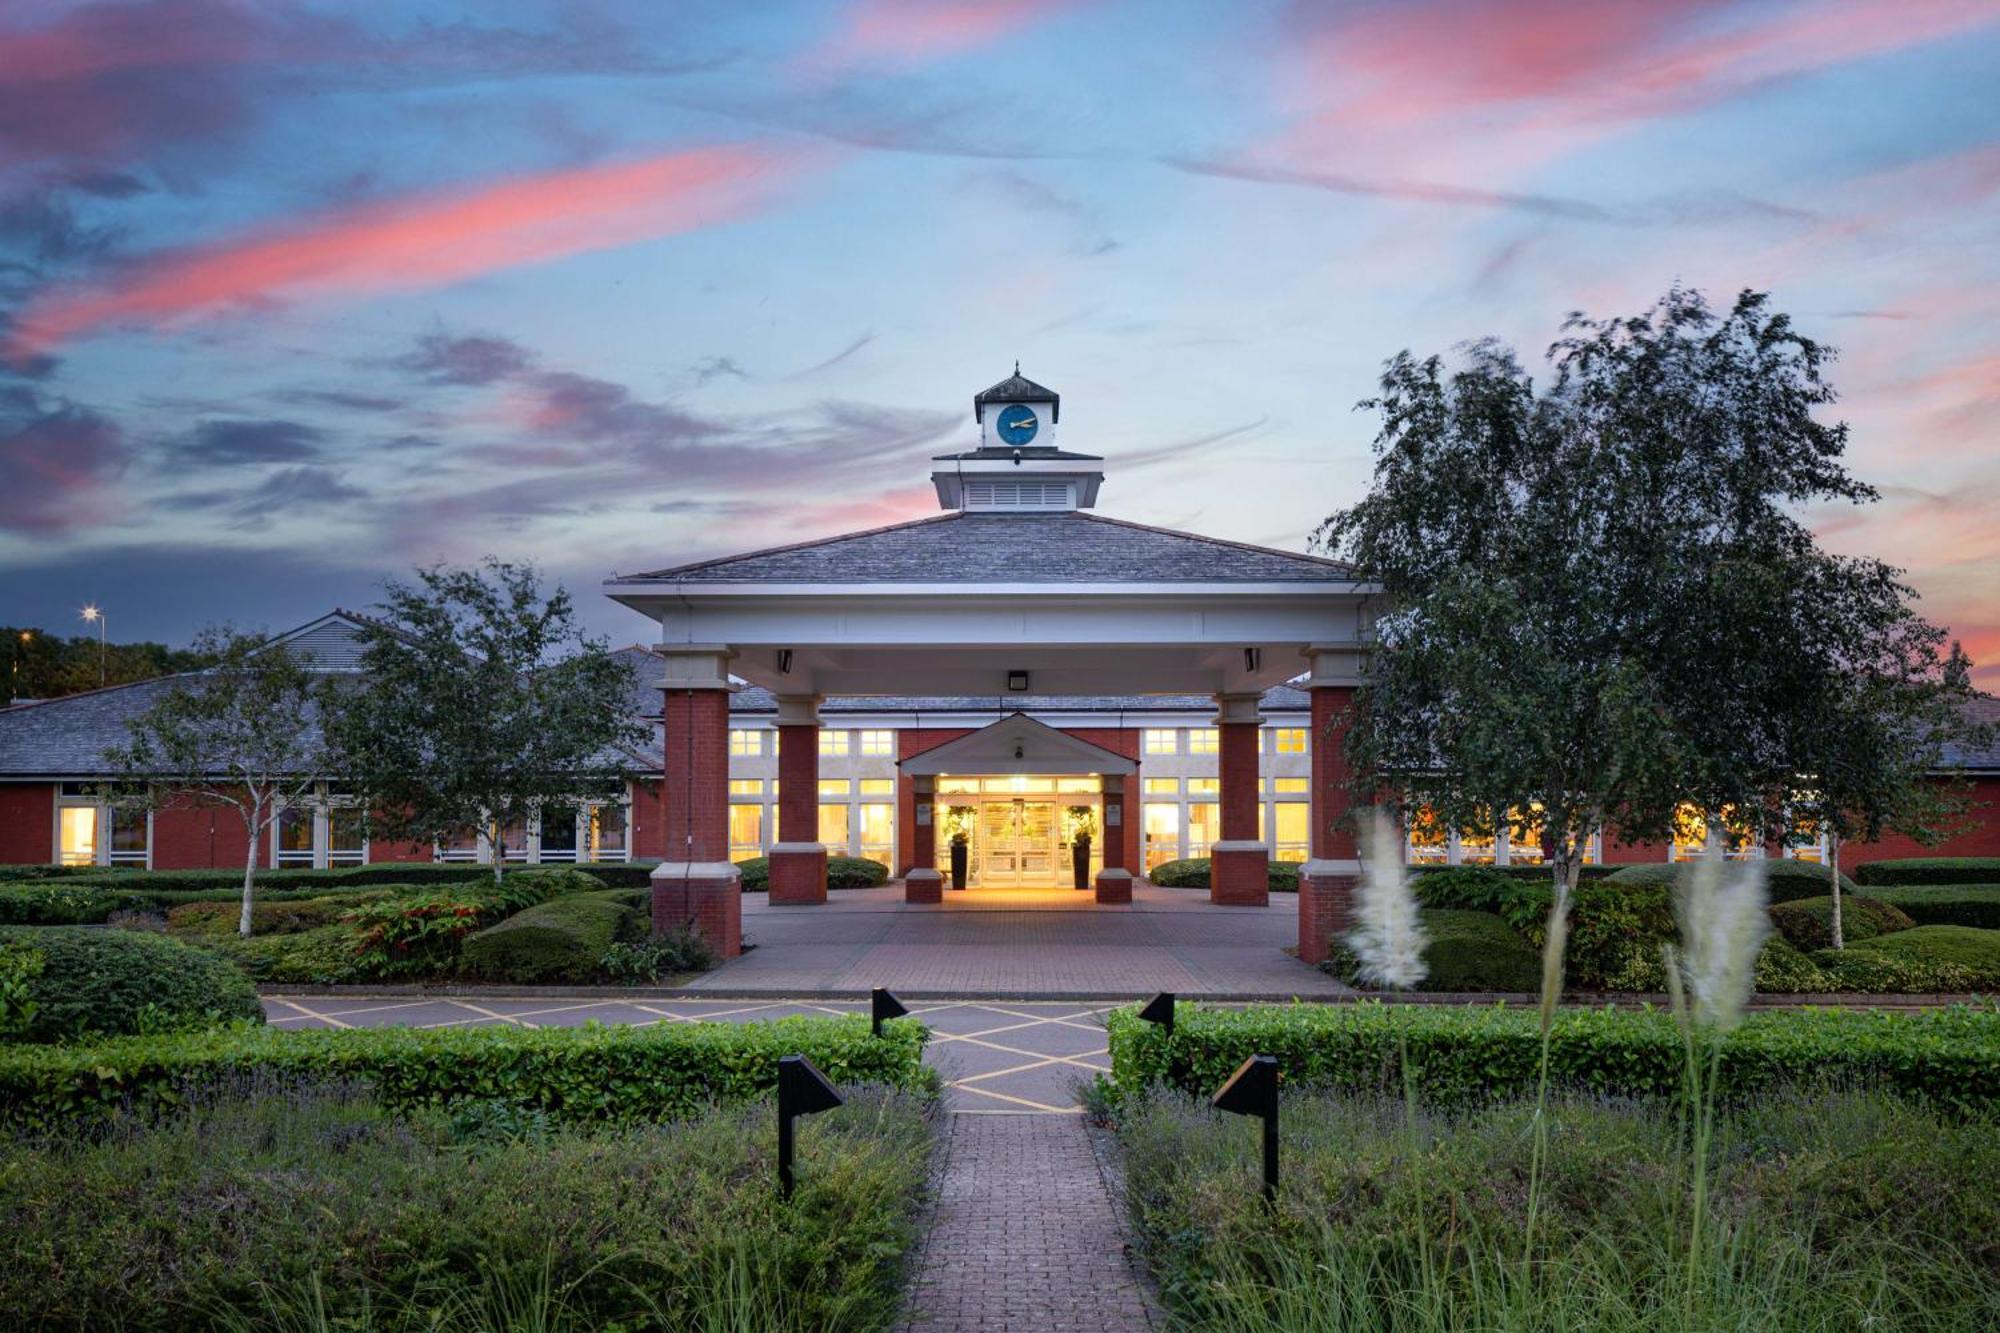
35	664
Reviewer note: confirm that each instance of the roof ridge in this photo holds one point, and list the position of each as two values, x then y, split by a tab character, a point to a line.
789	546
1218	541
25	704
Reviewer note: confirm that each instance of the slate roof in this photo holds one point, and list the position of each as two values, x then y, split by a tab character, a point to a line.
1018	388
1051	548
1983	710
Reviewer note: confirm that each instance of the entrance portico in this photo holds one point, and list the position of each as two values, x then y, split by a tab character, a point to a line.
1014	590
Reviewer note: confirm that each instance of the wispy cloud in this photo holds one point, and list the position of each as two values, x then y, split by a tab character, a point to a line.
58	459
901	31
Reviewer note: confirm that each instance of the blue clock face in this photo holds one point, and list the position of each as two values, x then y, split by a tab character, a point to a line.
1017	424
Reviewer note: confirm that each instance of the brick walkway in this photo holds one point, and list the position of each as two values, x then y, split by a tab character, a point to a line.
1024	1235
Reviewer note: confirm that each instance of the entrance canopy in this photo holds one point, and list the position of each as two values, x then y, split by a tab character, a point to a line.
1018	743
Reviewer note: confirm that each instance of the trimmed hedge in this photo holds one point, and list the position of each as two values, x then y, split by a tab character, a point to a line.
1464	1056
564	939
1807	923
1784	879
1193	873
1947	905
1977	951
420	933
842	872
614	1073
205	920
1931	870
116	981
1468	951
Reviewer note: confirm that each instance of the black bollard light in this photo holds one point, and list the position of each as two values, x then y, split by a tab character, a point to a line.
802	1090
881	1005
1160	1009
1253	1090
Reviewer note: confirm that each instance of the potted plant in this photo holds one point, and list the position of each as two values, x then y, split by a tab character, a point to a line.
958	832
1079	827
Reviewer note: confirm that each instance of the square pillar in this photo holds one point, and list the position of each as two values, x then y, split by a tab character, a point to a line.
1327	880
695	885
1239	865
798	858
923	883
1114	879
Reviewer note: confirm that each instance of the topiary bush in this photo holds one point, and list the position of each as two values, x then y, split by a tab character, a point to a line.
756	874
1975	905
1468	951
110	982
1931	870
418	934
1783	879
855	872
643	962
1975	951
1807	923
1194	873
564	939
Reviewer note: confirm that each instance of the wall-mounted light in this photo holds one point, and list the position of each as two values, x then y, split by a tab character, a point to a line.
1251	657
1017	680
784	661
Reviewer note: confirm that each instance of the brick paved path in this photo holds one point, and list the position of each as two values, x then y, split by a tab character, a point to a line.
1024	1235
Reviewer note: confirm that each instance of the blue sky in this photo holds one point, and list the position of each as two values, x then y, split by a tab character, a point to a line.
294	297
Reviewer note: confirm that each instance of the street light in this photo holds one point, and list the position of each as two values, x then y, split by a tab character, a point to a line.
92	614
20	651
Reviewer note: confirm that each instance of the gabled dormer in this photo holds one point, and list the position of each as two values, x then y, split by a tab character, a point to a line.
1017	467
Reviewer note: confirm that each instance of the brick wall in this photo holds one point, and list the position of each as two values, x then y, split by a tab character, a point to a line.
27	823
200	837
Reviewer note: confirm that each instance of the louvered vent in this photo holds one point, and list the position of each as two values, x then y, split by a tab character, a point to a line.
1019	495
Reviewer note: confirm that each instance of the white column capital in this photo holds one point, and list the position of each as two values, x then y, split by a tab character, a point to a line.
799	710
695	666
1335	664
1238	708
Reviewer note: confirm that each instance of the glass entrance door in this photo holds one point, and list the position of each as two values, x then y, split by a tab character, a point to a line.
1016	842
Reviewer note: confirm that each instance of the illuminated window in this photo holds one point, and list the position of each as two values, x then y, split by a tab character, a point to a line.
1288	740
1691	832
877	742
958	784
1163	786
1429	841
1524	836
878	832
834	787
1163	833
746	832
746	787
1204	786
746	742
1478	845
1076	784
77	825
1160	740
878	786
833	742
833	824
1294	819
1204	826
295	835
607	833
1203	740
1291	786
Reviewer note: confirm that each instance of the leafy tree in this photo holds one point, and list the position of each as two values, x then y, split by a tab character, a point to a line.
244	733
1599	600
480	703
40	665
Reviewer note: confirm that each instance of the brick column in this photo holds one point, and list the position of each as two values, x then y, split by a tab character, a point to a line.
798	858
1326	882
1239	864
695	884
922	883
1114	879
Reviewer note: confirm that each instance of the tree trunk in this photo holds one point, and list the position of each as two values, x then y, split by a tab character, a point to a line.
1833	865
255	826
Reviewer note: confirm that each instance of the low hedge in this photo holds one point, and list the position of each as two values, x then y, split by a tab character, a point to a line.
612	1073
1193	873
82	982
564	939
1916	870
1967	947
1807	923
1947	905
842	872
1468	951
419	934
1462	1056
1784	879
205	920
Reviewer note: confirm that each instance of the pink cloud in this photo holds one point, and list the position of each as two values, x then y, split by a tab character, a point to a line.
424	240
57	462
898	31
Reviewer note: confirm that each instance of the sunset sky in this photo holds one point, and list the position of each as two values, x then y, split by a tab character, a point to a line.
294	297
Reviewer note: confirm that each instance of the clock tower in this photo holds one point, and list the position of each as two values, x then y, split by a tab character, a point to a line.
1017	467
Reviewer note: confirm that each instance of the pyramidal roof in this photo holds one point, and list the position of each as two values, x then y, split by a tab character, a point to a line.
1018	388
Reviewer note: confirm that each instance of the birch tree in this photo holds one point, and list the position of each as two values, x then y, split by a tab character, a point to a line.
243	734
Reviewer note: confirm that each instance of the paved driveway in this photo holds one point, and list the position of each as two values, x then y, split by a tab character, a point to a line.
996	1058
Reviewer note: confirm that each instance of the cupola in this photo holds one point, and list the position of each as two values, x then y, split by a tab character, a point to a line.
1017	467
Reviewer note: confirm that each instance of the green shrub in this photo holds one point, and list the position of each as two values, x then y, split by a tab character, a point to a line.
203	920
1783	879
1193	873
1807	923
1468	951
563	939
21	964
320	956
1782	970
643	962
54	902
309	1207
23	873
842	872
1977	951
1931	870
119	981
1462	1055
419	934
617	1073
756	873
1475	888
1947	905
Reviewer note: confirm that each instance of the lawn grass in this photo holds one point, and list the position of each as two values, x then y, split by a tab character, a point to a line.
1829	1211
309	1205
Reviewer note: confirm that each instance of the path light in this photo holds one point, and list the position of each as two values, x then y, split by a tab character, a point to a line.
1253	1090
802	1090
1160	1009
881	1005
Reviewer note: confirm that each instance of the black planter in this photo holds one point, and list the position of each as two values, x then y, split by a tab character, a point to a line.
1079	862
958	856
